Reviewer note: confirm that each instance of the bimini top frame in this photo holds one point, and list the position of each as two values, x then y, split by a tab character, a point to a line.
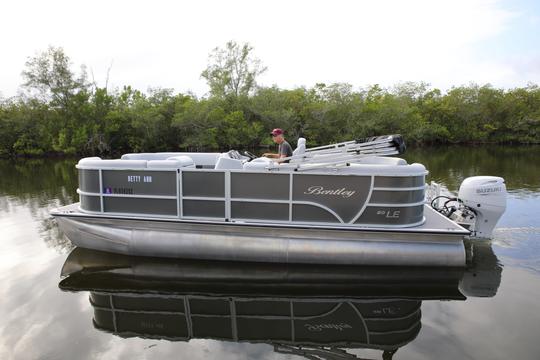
341	154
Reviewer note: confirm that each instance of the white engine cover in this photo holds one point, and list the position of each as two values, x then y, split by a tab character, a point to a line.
486	195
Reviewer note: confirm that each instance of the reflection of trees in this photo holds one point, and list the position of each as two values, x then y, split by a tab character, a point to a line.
449	165
39	182
39	185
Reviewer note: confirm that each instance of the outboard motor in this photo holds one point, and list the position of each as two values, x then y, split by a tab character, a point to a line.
480	204
485	197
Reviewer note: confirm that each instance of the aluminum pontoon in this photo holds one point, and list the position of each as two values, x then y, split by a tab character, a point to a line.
345	203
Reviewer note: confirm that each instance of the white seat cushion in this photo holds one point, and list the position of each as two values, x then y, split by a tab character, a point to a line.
258	164
112	164
183	160
227	163
175	162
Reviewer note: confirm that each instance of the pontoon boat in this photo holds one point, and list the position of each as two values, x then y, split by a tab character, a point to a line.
345	203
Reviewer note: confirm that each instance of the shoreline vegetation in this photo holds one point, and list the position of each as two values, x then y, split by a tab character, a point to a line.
61	113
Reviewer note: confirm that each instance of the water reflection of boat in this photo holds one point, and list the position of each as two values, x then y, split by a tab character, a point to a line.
317	312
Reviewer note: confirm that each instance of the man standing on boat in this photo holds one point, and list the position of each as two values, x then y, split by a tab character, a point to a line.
284	149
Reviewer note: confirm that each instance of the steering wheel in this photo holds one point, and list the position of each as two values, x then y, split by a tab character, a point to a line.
233	154
249	155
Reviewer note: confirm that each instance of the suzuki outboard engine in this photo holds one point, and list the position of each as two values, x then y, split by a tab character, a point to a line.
485	197
480	204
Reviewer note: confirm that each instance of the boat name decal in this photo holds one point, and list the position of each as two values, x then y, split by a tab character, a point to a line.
138	178
115	190
152	325
321	327
320	190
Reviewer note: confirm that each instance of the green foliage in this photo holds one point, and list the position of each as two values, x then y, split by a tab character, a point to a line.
232	71
50	75
61	113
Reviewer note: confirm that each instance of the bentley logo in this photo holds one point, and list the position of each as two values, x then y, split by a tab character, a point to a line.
321	327
320	190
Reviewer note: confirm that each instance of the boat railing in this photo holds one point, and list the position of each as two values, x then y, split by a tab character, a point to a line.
342	154
320	197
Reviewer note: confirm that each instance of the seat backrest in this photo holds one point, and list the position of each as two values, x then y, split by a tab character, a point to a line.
205	160
182	160
174	162
98	163
300	147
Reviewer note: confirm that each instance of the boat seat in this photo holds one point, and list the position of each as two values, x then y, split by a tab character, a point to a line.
203	160
381	160
149	156
227	163
173	162
300	147
258	164
112	164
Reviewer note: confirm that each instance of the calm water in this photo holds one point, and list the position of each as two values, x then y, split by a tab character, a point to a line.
116	307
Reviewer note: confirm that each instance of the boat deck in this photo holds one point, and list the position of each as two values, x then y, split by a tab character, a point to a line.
434	223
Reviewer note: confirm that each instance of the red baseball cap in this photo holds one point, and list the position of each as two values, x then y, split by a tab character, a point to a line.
277	131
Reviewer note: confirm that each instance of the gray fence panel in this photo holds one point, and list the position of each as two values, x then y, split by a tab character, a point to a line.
139	182
389	215
399	181
206	184
204	208
345	195
140	206
260	186
262	211
90	203
309	213
89	180
397	197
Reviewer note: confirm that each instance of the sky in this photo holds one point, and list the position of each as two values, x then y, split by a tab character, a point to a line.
149	44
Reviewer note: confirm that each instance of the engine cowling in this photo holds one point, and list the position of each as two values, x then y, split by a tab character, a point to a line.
486	196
